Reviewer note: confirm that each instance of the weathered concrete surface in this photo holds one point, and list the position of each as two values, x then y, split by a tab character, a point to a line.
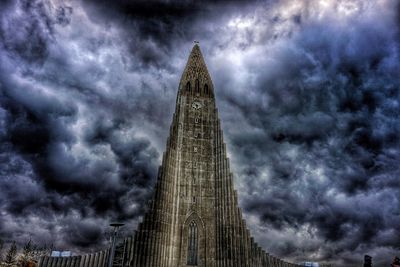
195	185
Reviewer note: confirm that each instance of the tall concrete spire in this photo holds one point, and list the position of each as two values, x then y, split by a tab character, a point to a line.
195	77
194	218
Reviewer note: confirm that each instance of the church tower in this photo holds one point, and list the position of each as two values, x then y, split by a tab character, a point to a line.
194	218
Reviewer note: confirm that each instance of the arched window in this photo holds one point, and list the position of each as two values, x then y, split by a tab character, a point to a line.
192	244
197	86
188	86
206	89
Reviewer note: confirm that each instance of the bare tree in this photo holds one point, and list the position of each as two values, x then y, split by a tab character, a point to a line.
31	253
27	255
40	251
11	256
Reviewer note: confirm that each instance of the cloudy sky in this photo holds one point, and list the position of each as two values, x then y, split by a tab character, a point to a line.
307	91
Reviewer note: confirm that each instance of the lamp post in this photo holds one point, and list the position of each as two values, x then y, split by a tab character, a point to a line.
113	240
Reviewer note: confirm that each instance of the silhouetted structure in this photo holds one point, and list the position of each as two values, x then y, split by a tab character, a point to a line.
367	261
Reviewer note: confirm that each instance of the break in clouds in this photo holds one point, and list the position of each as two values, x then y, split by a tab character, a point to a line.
308	94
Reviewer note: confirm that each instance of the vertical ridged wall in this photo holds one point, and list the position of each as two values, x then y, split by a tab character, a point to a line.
98	259
194	184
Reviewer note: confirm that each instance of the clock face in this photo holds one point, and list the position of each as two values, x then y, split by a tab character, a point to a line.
196	105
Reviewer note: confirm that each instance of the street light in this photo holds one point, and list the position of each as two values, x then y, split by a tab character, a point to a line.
114	238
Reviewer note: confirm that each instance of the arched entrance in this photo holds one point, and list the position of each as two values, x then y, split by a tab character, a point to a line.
193	242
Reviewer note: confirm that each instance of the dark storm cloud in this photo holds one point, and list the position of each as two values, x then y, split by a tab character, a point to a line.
60	166
308	93
328	115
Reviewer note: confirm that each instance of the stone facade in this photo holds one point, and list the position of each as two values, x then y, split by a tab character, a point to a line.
194	218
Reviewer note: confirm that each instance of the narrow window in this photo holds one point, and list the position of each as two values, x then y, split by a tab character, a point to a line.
197	86
188	86
192	244
206	89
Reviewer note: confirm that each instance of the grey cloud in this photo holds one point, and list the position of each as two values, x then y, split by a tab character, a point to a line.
87	94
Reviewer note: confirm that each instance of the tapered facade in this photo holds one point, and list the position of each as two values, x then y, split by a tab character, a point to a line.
194	218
